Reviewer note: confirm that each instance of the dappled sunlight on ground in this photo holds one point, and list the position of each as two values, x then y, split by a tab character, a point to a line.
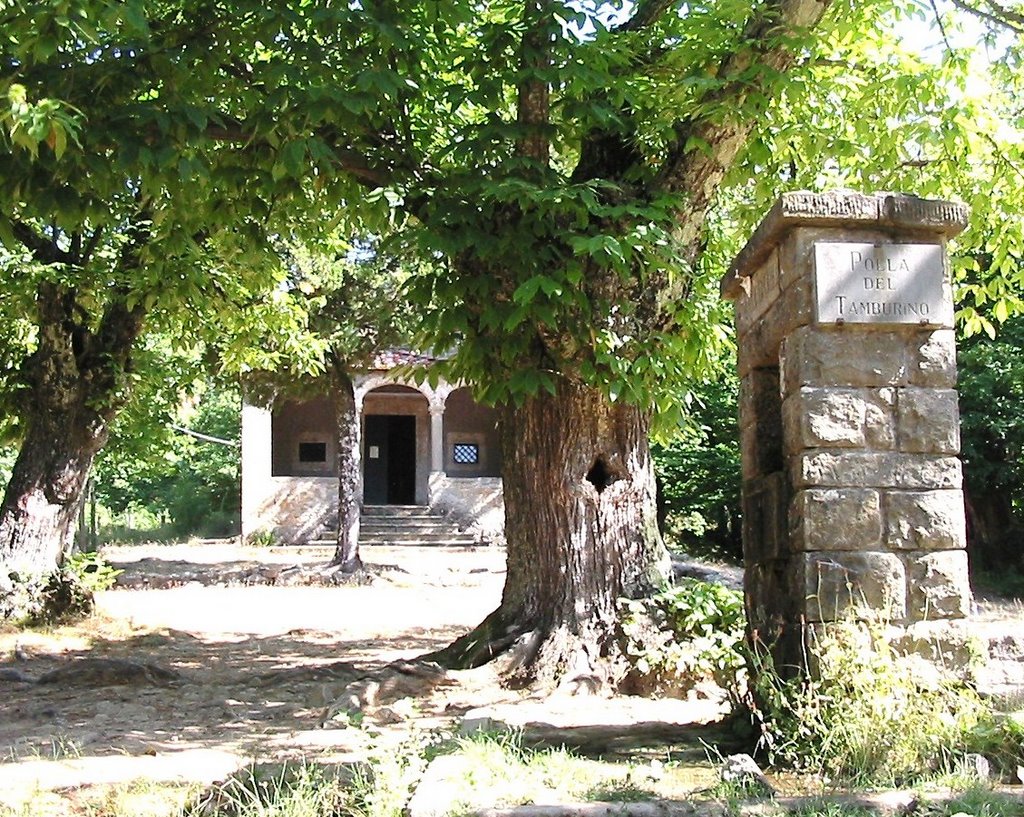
257	665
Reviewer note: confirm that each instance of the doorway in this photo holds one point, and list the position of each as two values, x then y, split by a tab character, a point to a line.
389	459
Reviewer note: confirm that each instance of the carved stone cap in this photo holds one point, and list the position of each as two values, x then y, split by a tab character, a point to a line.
857	211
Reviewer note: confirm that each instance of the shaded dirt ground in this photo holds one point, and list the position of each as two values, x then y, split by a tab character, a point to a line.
260	663
257	664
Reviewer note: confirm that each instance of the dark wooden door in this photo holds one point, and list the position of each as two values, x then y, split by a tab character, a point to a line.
389	459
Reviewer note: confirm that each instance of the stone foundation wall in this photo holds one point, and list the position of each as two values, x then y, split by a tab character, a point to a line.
295	510
476	503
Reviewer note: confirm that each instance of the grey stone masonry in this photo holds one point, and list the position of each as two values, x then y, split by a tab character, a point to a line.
848	411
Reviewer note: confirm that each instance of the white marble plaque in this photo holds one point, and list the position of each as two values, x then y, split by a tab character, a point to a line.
881	283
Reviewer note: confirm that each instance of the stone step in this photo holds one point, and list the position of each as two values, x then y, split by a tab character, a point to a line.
411	523
326	543
405	525
400	511
406	535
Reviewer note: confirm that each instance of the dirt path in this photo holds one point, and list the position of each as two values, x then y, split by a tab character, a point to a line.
257	664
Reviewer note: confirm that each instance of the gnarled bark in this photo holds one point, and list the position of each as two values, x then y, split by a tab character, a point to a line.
75	385
581	529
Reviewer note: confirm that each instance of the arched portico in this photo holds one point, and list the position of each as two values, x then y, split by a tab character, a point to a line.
419	444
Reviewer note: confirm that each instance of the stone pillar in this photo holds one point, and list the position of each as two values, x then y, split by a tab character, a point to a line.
852	493
436	437
438	479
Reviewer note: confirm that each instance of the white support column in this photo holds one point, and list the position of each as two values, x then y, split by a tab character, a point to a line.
357	453
437	475
436	437
257	467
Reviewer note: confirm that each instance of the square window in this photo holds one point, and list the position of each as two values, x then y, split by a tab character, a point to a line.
312	452
465	453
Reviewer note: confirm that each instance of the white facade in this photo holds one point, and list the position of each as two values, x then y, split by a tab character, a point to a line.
419	445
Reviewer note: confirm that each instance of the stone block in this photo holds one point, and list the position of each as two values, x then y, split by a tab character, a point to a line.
839	418
847	356
932	358
830	519
795	307
928	471
841	469
874	469
759	293
950	645
764	518
759	339
757	348
939	585
880	419
861	583
823	418
925	520
928	420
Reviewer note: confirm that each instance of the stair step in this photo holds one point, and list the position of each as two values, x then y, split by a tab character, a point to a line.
404	525
400	511
378	523
396	533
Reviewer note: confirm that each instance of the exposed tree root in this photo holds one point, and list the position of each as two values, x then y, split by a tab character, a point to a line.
536	656
490	638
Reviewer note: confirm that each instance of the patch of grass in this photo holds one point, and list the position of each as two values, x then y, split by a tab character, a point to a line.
138	798
495	769
383	785
141	798
626	792
977	801
864	715
825	809
303	790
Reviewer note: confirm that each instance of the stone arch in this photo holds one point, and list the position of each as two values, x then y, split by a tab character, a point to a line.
395	429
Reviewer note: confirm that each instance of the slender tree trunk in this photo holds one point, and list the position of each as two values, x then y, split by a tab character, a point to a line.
350	482
581	526
992	530
75	385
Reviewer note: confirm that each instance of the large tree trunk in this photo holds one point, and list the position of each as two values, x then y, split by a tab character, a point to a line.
40	505
75	384
350	482
581	526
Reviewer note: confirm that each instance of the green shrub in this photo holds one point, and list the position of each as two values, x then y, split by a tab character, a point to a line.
999	736
691	633
264	537
91	571
866	714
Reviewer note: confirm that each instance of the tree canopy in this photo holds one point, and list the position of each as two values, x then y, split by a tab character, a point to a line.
150	144
573	176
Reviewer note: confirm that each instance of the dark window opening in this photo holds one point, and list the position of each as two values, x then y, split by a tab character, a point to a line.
600	476
312	452
465	453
